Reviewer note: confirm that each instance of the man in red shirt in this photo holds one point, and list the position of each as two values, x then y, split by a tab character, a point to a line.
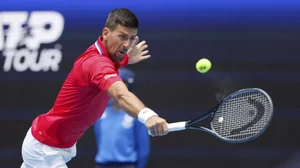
92	82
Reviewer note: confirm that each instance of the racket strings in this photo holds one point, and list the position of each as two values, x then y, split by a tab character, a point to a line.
243	116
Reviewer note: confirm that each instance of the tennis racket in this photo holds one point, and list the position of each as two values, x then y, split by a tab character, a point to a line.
240	117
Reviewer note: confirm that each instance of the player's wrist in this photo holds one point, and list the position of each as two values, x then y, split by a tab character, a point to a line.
145	114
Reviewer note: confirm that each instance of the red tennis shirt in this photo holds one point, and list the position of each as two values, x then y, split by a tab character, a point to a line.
81	100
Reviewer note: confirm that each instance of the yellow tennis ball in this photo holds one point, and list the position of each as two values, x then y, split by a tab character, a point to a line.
203	65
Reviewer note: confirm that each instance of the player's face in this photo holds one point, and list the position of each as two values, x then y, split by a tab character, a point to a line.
118	41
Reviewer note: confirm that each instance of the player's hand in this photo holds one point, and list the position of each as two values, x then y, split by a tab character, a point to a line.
157	126
138	52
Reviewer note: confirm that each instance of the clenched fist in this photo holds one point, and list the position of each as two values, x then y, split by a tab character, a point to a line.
157	126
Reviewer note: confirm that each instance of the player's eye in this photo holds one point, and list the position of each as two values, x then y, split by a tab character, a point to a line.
123	37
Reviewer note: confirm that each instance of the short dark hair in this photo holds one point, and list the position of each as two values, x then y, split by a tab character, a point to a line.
123	17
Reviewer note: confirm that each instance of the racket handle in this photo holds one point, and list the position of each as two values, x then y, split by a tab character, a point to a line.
177	126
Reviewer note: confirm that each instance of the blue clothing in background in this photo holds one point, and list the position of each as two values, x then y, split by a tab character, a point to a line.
121	138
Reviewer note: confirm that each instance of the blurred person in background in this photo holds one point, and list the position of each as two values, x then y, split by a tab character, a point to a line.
122	141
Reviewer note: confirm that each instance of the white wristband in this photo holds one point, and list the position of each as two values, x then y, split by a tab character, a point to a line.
145	114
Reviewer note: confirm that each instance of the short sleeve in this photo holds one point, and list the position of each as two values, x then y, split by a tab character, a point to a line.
103	74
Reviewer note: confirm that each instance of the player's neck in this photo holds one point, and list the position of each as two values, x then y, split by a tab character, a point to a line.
104	42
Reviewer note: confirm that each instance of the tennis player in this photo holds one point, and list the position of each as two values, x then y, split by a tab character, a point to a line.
94	79
122	141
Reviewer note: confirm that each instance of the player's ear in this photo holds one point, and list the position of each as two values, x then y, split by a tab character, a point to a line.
105	33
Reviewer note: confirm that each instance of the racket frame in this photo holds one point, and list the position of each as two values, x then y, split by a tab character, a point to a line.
177	126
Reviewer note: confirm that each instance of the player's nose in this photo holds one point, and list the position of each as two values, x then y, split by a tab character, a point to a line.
126	44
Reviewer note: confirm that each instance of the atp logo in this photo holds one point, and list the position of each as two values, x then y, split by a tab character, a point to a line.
21	35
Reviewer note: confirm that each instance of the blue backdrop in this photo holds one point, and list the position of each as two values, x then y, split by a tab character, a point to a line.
250	43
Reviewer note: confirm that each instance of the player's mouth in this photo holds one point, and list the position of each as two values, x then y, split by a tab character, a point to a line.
120	55
121	52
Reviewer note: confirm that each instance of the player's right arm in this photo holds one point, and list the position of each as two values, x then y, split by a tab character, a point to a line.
135	108
101	73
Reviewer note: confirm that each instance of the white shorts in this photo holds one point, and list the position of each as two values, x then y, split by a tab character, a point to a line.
38	155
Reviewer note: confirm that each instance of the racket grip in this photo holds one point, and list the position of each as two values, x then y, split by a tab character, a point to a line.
177	126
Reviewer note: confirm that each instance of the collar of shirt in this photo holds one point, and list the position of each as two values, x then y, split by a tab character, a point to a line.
100	47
